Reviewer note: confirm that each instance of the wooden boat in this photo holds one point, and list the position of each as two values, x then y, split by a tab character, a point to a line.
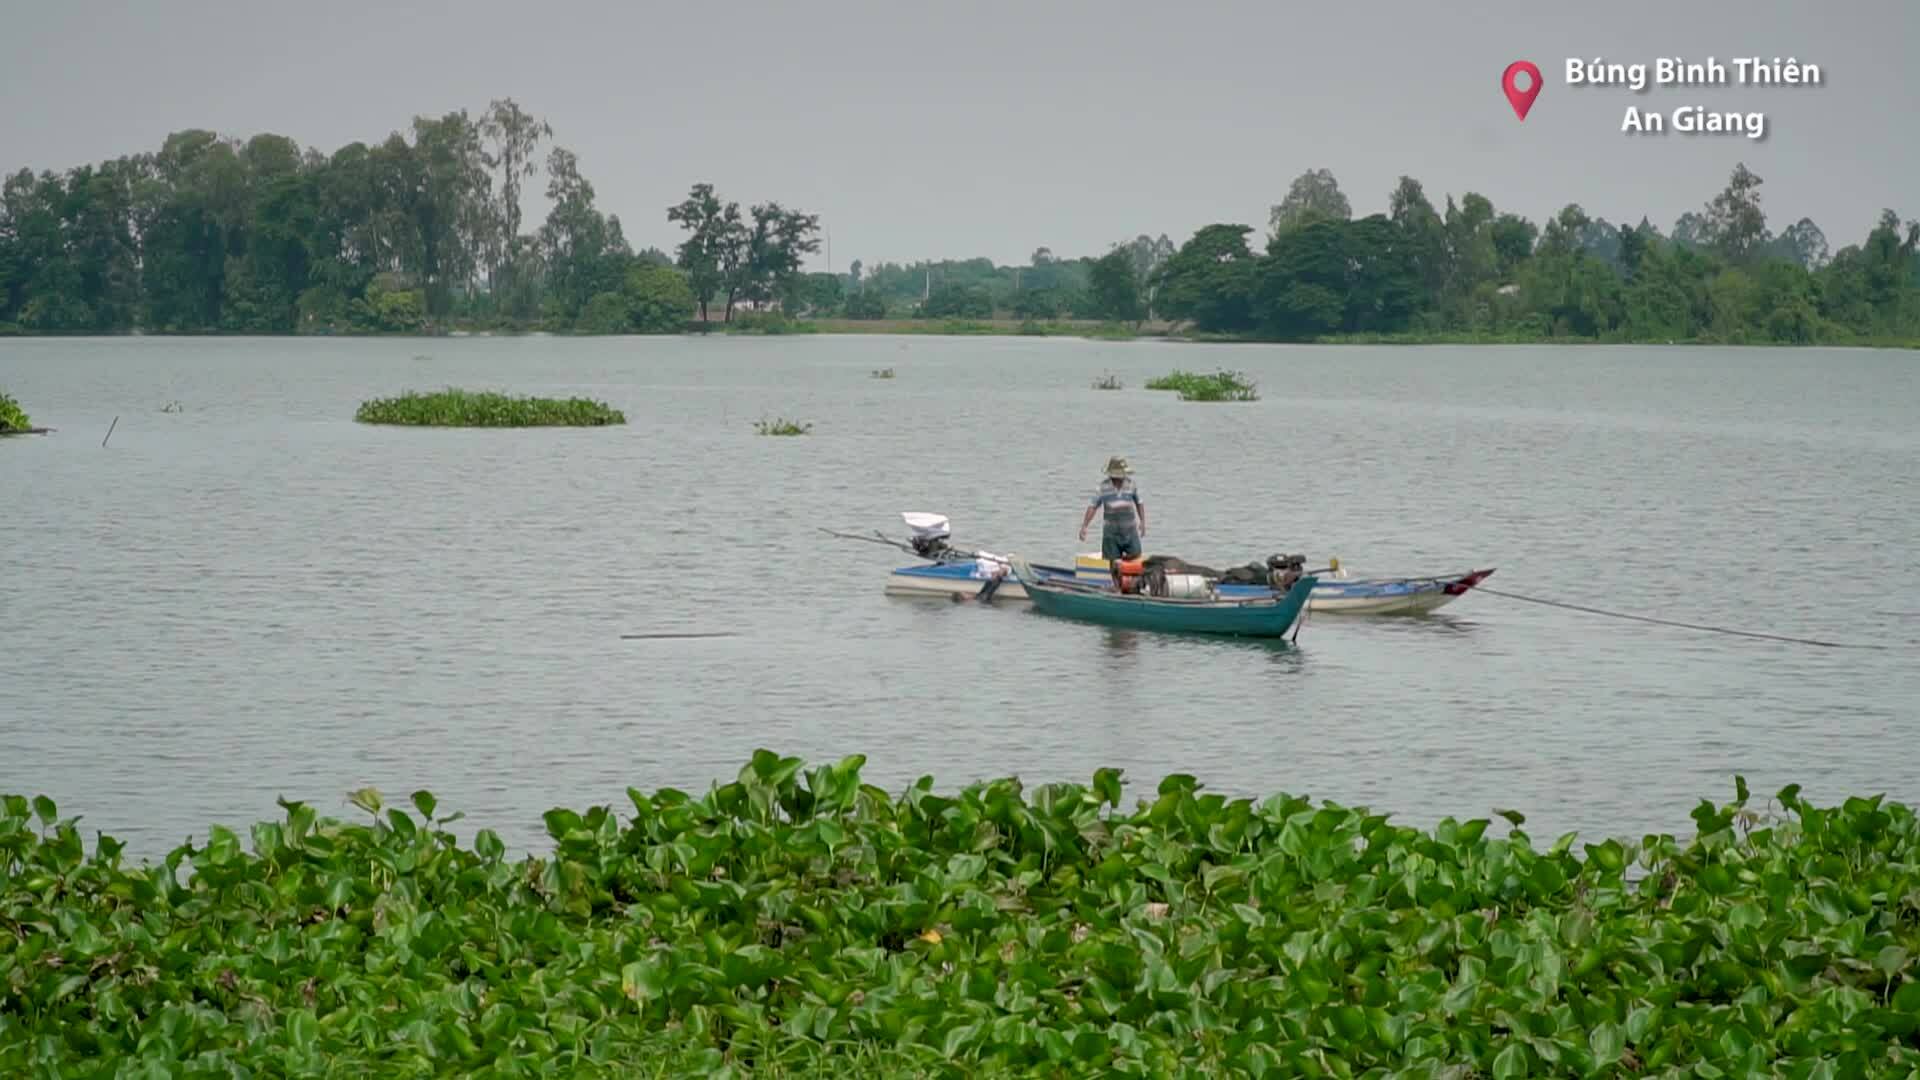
953	572
1271	616
1339	594
968	578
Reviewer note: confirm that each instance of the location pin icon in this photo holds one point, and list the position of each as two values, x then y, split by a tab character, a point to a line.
1521	100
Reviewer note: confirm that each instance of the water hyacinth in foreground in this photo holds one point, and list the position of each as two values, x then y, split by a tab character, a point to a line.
799	920
467	408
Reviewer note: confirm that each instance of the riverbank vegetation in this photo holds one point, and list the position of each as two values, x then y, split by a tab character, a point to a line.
467	408
12	417
1464	273
798	919
423	233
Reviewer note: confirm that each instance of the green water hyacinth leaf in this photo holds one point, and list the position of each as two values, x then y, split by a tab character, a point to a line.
798	921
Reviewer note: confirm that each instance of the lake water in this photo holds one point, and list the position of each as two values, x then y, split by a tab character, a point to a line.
256	597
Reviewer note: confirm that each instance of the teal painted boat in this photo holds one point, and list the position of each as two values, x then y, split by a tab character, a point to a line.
1267	616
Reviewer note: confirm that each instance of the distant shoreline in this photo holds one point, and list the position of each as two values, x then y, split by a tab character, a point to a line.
754	324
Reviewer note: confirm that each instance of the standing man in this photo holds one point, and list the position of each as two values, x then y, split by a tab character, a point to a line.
1125	516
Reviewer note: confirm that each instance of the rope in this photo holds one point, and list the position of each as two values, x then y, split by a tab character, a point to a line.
1682	625
954	555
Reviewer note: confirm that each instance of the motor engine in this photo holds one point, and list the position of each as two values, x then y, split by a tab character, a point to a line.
929	534
1284	570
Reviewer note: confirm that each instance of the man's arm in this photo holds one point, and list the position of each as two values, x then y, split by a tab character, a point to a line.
1088	520
1141	508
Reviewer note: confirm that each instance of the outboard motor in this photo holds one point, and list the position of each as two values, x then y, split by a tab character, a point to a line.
1284	570
930	532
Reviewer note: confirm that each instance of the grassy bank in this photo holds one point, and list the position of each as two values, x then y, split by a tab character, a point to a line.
467	408
759	323
797	920
1524	338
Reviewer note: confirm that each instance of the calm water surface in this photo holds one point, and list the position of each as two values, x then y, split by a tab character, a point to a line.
256	597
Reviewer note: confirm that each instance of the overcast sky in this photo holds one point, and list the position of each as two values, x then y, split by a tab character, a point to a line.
992	128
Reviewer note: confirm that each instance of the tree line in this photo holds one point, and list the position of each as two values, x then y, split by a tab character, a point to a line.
1465	272
1720	275
424	231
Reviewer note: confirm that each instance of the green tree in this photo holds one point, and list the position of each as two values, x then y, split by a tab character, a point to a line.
1113	289
1210	280
715	241
953	300
1423	233
584	251
1313	196
1383	283
1736	228
511	154
866	305
1037	304
661	299
1304	281
1513	239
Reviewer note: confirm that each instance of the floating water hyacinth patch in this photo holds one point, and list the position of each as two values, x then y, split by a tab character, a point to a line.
797	920
12	417
466	408
1220	386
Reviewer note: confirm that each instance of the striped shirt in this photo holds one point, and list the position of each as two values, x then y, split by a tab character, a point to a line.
1120	506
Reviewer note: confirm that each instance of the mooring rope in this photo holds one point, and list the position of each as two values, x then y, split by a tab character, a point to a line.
1682	625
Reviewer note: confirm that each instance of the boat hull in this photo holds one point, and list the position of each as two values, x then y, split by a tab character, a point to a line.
1334	596
1272	617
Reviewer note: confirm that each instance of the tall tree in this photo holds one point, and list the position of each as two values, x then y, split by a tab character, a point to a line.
714	245
512	140
1804	243
449	205
1424	232
1210	280
1114	291
1736	227
1313	196
1148	255
584	251
778	242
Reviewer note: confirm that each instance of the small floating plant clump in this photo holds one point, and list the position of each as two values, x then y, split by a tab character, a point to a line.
1220	386
781	426
13	419
883	373
1108	382
467	408
800	921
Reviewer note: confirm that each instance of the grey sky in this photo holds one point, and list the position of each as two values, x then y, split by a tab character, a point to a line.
992	128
